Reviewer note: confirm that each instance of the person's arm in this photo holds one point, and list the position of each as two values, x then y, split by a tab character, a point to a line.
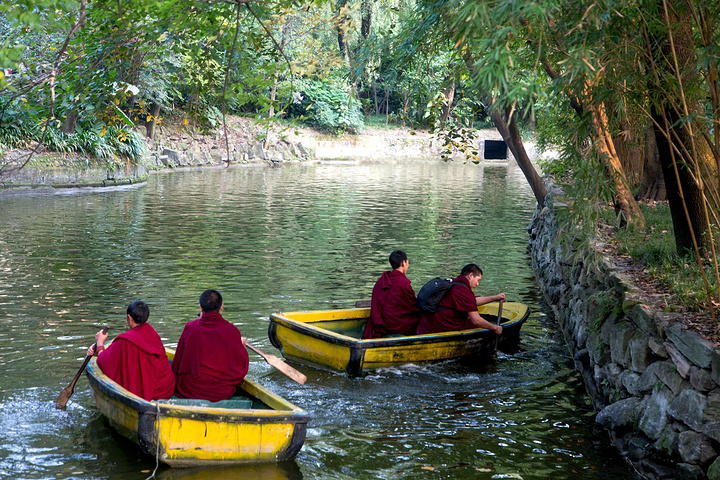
493	298
480	322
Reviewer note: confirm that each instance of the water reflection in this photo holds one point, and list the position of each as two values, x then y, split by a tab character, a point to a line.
294	238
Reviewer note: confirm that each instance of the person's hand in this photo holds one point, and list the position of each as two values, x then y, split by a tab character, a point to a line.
498	329
500	296
100	338
91	351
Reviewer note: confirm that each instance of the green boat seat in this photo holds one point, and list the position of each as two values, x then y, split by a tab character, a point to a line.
232	402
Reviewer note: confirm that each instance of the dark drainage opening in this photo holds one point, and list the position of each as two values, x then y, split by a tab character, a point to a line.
495	150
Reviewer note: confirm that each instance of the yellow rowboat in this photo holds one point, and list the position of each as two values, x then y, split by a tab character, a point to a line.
253	426
332	339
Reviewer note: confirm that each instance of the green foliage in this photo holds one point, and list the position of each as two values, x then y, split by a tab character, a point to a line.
655	250
382	121
17	125
107	144
327	107
560	168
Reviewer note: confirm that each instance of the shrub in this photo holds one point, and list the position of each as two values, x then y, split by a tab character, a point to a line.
327	107
114	142
17	126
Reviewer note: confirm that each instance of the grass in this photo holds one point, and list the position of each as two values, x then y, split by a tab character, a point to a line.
656	252
379	122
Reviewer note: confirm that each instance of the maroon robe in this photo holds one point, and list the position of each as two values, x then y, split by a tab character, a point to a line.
393	308
457	303
136	359
210	359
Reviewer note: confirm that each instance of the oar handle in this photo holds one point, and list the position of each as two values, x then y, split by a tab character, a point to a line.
255	349
499	319
87	360
82	368
499	316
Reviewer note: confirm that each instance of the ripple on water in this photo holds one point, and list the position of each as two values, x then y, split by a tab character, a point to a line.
300	238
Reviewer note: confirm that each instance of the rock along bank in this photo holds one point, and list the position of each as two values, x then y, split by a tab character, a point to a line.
247	143
183	146
656	386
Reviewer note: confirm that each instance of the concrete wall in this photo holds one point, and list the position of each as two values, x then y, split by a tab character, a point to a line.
655	385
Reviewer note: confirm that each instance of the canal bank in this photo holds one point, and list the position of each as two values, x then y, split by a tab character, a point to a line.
655	384
247	143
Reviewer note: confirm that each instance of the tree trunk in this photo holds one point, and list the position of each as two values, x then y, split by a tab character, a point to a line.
511	135
71	119
150	126
687	204
625	204
340	25
375	97
680	151
366	12
449	96
652	182
630	150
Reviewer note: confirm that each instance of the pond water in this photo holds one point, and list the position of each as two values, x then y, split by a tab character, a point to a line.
300	237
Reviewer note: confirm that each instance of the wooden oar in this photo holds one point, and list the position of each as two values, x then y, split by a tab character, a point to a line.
68	391
279	364
497	337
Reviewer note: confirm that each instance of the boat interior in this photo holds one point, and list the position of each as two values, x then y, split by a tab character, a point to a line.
354	327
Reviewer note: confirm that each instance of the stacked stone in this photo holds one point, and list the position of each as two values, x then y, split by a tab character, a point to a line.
655	385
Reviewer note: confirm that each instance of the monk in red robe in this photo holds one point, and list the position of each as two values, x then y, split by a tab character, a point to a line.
393	307
136	359
458	308
210	360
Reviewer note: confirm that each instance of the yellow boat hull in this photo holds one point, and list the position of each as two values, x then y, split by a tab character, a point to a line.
331	339
268	430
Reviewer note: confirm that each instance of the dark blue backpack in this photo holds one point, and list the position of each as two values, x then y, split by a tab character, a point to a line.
429	296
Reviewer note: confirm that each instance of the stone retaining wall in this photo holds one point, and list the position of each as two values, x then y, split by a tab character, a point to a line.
655	385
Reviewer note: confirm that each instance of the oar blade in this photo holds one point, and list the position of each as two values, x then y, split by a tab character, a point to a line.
279	364
64	396
296	375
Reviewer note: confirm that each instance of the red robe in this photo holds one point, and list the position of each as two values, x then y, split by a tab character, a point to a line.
458	302
136	359
210	359
393	308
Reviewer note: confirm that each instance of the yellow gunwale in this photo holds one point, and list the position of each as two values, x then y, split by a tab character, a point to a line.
199	435
301	337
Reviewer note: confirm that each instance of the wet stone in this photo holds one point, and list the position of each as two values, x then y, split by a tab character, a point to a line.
623	413
712	430
597	349
649	379
692	345
669	376
701	380
688	407
686	471
639	352
629	381
713	472
667	441
638	448
695	447
657	347
654	419
644	320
